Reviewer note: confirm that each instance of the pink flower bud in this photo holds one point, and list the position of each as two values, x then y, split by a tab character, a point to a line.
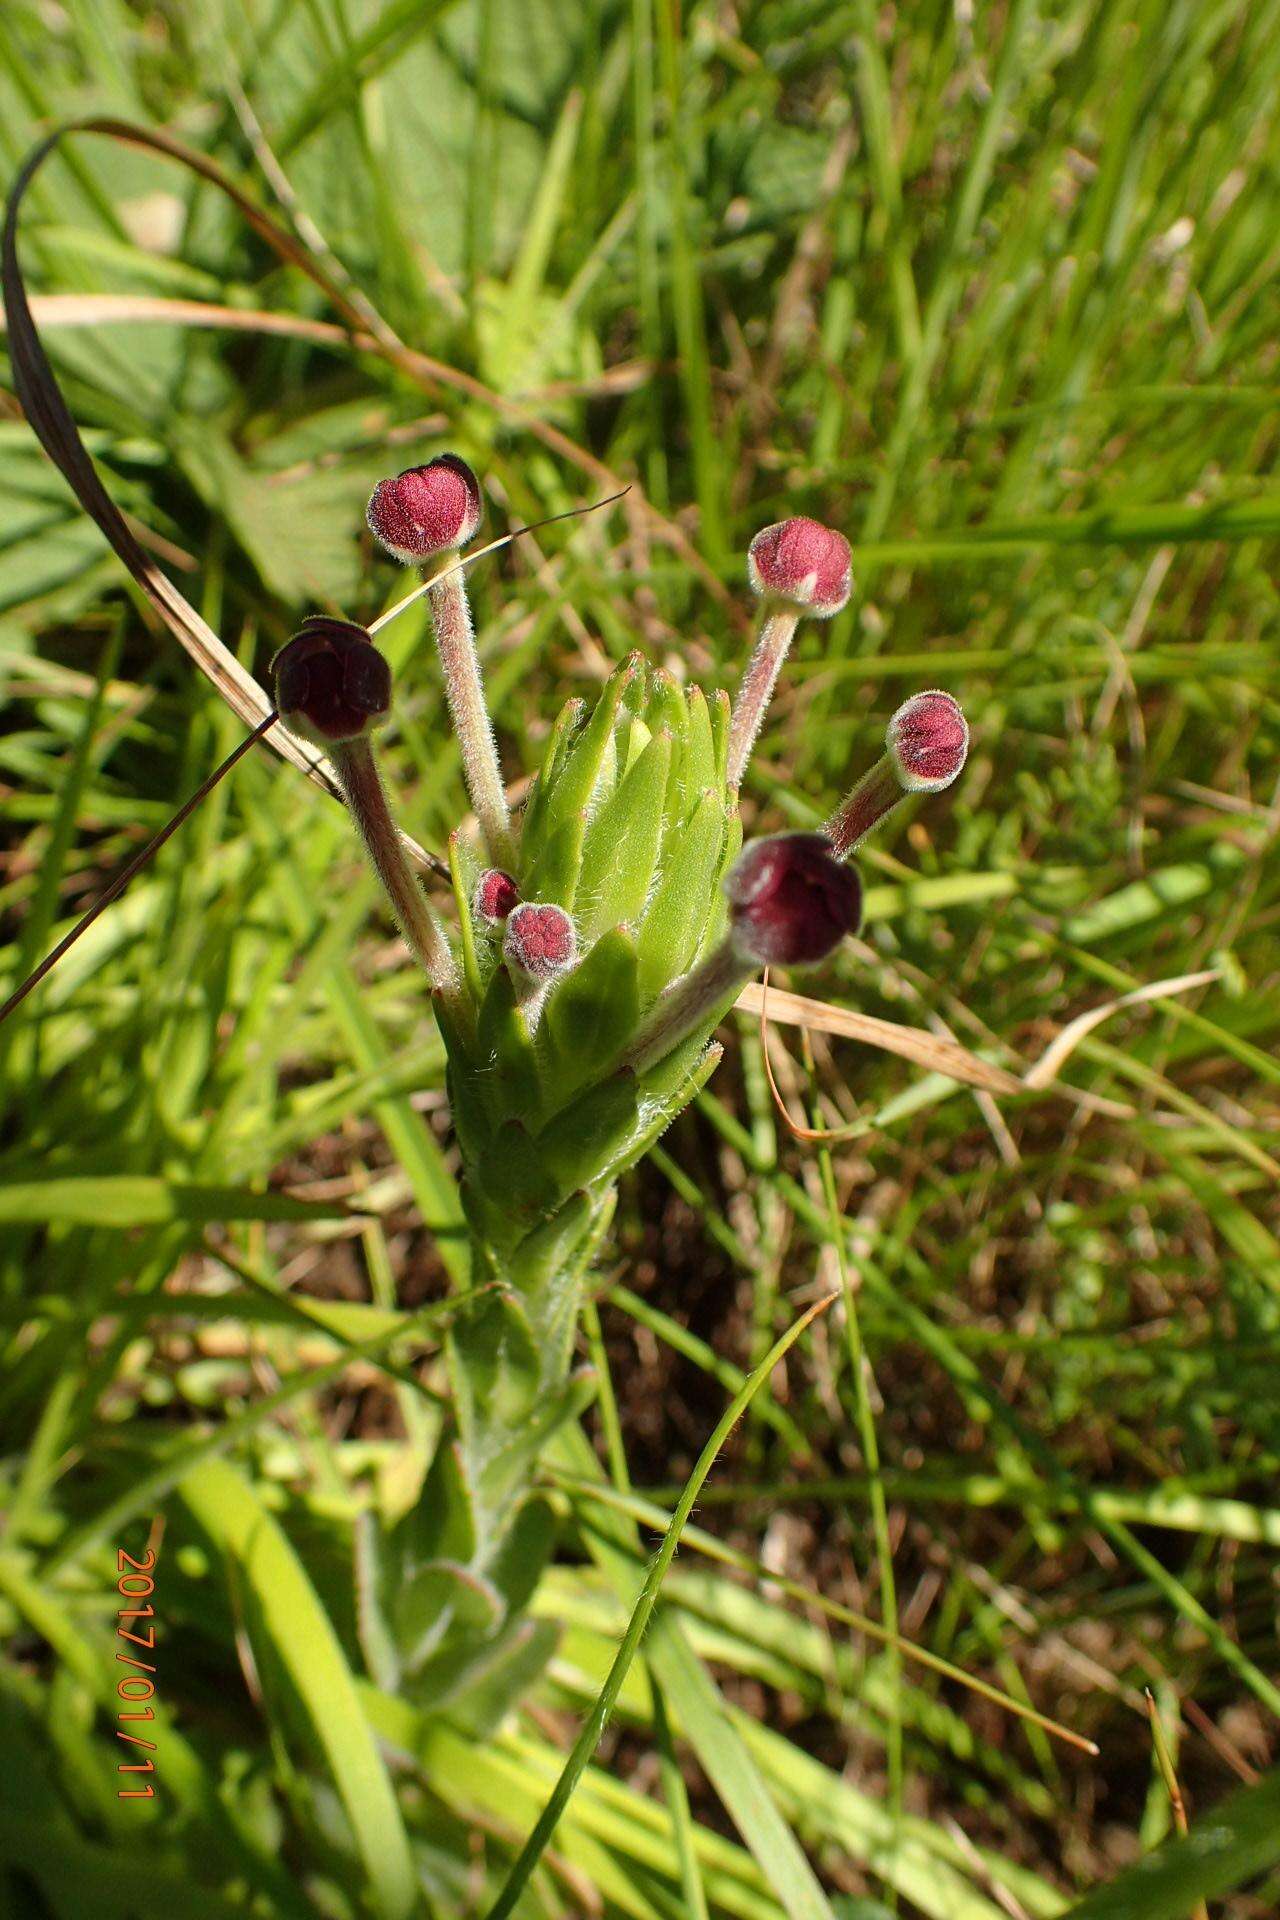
928	741
791	902
426	510
331	683
541	941
803	562
496	893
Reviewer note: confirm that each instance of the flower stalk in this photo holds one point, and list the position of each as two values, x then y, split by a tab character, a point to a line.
464	691
795	567
926	746
362	788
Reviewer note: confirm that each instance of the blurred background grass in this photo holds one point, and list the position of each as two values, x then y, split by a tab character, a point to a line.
992	289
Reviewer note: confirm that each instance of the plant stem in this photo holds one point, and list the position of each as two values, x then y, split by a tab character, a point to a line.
464	691
686	1004
362	787
778	624
861	812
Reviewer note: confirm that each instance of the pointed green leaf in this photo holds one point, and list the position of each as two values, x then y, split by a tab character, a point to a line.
589	1016
684	901
579	1142
506	1062
441	1599
720	710
534	823
700	755
622	845
574	782
554	876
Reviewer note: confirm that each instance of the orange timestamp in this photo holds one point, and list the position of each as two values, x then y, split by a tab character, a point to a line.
136	1624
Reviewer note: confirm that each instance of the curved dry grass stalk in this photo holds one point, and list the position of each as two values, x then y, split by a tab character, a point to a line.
943	1055
362	327
51	420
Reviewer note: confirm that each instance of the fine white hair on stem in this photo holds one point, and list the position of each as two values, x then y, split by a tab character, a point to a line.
777	628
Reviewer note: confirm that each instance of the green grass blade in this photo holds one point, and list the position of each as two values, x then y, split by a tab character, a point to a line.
588	1739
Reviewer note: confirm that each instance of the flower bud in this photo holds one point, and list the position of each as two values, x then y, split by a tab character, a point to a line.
331	683
928	741
496	893
541	941
802	562
791	902
426	510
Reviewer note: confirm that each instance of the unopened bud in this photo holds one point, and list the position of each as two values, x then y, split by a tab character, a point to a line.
791	901
541	941
331	683
928	741
426	510
496	893
804	563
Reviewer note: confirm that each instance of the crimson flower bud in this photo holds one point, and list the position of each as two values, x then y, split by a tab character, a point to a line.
331	683
496	893
541	941
791	901
802	562
928	741
426	510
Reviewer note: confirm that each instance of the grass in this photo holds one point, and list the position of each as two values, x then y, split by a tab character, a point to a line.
994	293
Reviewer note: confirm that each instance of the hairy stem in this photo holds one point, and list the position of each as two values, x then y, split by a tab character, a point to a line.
464	691
686	1003
777	627
362	787
875	795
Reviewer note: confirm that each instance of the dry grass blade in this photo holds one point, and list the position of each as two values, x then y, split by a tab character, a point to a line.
911	1043
1045	1070
56	430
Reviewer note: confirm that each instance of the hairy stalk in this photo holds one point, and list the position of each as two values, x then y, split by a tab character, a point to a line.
875	795
464	691
362	788
777	629
687	1004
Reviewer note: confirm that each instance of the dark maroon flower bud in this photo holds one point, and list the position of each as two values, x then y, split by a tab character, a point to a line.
791	902
426	510
928	740
802	562
496	893
541	941
331	683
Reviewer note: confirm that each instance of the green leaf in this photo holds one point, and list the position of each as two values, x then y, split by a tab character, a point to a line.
138	1200
672	928
590	1015
799	1880
555	875
575	779
621	848
1224	1850
508	1067
305	1648
441	1599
